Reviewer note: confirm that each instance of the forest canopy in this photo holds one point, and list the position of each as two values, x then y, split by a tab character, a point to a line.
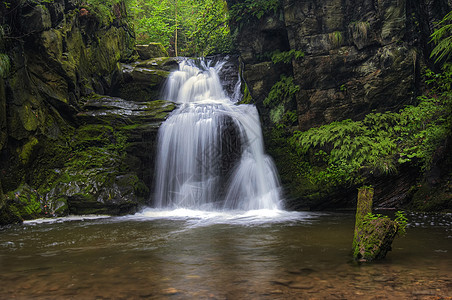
184	27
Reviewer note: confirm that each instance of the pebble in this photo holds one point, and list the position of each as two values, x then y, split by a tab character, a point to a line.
170	291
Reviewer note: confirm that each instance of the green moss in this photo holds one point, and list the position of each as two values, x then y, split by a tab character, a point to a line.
335	38
247	99
25	203
374	233
27	150
28	117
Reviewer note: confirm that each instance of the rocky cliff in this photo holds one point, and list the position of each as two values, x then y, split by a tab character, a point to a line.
359	57
64	147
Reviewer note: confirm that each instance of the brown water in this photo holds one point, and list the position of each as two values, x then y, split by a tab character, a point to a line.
215	256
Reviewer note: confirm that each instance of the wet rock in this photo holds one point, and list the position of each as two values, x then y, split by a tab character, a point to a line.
112	110
142	81
151	50
35	18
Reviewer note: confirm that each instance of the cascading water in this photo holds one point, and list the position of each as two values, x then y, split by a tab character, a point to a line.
210	150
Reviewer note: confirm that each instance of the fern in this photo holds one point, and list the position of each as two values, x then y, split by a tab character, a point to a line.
247	10
281	92
442	37
378	143
286	57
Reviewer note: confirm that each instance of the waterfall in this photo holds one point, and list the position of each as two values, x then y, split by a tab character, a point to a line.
210	152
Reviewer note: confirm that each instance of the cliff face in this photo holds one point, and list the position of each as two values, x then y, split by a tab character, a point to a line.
63	147
360	57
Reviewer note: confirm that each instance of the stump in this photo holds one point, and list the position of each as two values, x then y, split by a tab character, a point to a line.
373	233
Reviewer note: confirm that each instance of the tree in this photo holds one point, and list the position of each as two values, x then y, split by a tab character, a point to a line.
187	27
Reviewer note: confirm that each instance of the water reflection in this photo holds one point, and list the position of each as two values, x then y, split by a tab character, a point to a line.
157	255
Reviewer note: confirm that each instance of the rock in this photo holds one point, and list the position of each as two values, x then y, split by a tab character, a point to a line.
117	111
142	81
35	18
360	56
151	50
62	56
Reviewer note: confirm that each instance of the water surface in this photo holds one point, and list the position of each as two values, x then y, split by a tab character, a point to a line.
187	254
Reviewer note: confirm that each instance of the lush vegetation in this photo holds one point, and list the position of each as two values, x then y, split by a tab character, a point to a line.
245	11
442	37
190	27
346	152
185	27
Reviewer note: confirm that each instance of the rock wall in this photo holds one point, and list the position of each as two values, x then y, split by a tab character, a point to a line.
65	148
360	56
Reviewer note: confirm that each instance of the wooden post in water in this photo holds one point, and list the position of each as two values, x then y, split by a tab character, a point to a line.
373	233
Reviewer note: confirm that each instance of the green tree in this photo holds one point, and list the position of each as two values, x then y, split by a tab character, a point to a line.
187	27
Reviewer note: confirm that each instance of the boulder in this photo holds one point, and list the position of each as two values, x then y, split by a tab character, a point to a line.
143	81
151	50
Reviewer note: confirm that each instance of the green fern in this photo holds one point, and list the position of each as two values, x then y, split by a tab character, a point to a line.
286	56
442	37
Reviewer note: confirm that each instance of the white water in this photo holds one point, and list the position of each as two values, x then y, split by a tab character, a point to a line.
210	153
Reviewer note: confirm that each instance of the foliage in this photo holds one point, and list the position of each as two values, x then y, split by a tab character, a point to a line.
281	94
344	152
442	37
102	9
210	33
286	56
188	27
281	91
335	38
402	221
243	12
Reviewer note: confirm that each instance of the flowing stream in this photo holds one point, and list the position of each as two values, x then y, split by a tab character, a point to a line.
210	150
184	254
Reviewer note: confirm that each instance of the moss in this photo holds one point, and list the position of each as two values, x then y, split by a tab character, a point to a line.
27	150
375	239
25	203
28	117
373	233
247	99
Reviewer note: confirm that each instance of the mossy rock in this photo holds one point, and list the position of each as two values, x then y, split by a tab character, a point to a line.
151	50
25	203
161	63
6	215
